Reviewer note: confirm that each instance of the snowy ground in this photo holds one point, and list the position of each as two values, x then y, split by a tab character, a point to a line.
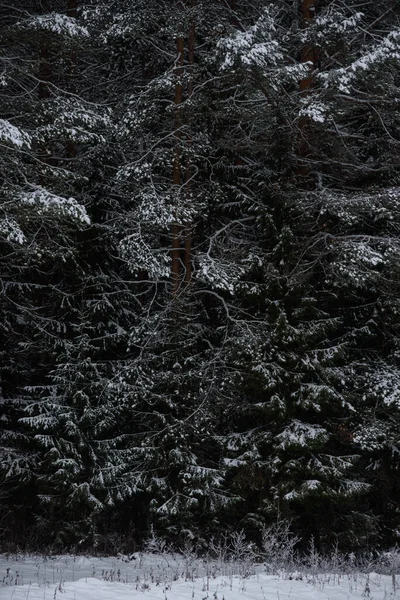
170	578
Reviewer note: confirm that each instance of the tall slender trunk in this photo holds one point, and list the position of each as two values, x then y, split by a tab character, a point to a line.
181	253
308	54
72	11
176	170
44	67
45	74
189	173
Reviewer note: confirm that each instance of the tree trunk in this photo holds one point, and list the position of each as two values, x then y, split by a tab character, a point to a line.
308	55
176	172
45	74
45	70
72	8
188	173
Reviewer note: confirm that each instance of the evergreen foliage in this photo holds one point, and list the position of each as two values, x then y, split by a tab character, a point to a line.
199	271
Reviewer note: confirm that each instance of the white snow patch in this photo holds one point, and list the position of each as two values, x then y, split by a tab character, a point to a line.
13	135
301	434
316	111
165	577
55	23
11	231
46	201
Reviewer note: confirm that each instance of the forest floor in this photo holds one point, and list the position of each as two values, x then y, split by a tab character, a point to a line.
172	577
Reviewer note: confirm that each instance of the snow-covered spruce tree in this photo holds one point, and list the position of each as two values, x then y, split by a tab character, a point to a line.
236	282
358	243
189	241
40	213
168	392
67	301
81	459
330	215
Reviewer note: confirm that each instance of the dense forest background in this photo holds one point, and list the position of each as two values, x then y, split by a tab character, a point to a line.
199	271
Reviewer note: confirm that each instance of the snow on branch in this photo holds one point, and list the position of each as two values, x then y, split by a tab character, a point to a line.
163	209
334	21
343	78
308	486
384	385
54	23
11	231
302	435
220	274
330	27
254	47
358	263
47	202
13	135
75	120
312	109
141	257
376	206
374	436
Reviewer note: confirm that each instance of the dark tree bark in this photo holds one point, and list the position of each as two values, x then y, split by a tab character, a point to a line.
308	54
181	253
189	173
45	68
177	168
72	10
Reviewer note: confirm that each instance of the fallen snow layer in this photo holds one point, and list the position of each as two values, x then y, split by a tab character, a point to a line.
263	587
153	578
